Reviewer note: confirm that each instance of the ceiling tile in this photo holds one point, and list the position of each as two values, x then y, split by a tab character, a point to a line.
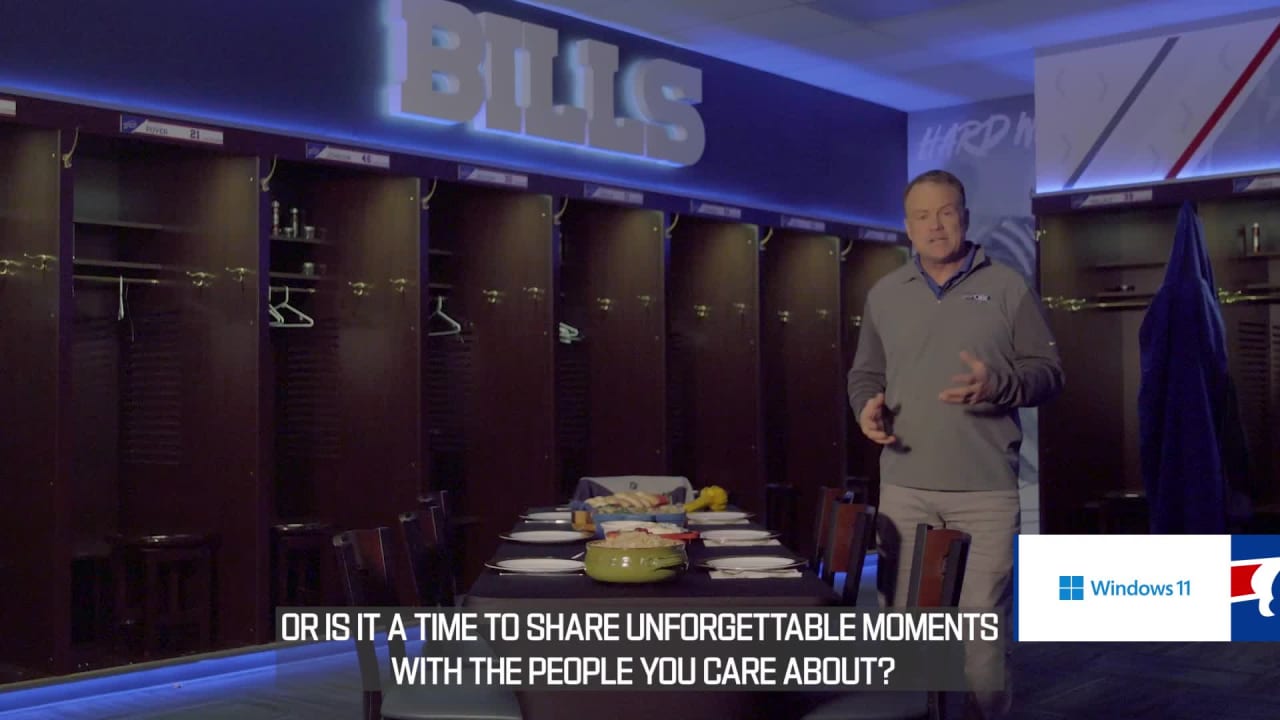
908	54
871	10
856	44
678	16
794	25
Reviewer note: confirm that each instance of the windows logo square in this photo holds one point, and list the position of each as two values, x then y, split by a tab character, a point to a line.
1071	587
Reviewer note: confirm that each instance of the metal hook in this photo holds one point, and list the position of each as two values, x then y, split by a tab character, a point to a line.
360	289
399	284
266	181
562	210
701	310
675	221
40	262
239	272
605	304
201	279
426	201
66	157
846	251
767	236
5	266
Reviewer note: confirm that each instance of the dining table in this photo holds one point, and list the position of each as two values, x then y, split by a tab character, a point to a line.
696	588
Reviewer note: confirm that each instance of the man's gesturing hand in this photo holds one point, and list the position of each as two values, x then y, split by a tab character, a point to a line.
872	421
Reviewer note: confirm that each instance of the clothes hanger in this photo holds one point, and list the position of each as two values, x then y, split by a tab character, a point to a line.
303	320
454	327
569	334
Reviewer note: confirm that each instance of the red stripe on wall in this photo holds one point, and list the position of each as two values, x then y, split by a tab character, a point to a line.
1221	110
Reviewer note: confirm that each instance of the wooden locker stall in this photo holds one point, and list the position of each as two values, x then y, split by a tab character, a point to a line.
1249	291
36	621
345	309
611	360
1099	271
491	407
863	264
803	368
715	408
163	402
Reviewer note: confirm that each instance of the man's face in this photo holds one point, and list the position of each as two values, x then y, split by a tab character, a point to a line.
936	221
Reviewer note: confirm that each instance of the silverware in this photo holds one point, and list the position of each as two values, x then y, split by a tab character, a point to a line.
579	556
542	574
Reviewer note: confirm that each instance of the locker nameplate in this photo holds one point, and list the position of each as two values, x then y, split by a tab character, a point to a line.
880	235
1254	184
799	223
138	125
600	192
493	177
713	210
1112	198
333	153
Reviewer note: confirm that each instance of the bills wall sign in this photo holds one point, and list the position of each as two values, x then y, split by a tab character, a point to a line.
496	74
1255	568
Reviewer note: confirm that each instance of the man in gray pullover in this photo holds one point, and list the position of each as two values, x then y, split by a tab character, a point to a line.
951	346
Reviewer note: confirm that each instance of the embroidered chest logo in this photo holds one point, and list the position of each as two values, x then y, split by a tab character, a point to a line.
978	298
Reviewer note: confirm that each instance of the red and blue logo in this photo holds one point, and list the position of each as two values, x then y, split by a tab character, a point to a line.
1255	569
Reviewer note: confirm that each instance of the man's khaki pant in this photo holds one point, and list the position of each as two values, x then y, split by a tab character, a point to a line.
992	519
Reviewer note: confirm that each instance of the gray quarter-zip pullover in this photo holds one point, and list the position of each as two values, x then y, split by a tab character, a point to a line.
909	348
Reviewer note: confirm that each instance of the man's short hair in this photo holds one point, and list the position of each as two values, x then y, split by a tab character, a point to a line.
942	177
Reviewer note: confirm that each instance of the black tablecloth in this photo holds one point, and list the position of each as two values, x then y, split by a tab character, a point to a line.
693	588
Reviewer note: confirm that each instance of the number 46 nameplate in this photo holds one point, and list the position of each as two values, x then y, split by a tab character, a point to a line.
138	125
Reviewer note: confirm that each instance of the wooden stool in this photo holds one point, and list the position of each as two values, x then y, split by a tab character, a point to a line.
164	584
303	554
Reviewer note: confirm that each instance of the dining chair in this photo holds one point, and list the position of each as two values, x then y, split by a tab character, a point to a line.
828	498
428	573
366	559
852	528
937	576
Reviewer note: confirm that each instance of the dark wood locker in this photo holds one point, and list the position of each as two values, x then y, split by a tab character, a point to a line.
1099	270
714	397
34	523
492	261
611	382
863	264
164	394
805	406
348	396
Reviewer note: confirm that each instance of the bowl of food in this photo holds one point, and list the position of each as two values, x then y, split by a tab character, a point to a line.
671	514
618	513
635	557
666	530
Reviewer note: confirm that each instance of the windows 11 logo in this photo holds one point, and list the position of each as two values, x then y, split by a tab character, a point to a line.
1071	587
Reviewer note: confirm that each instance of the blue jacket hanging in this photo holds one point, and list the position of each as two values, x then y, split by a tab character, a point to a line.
1181	399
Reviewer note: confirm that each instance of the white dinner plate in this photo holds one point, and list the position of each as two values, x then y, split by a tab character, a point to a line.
538	565
753	562
738	535
716	517
548	516
546	536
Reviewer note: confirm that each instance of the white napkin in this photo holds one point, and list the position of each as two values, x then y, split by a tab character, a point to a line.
740	543
754	574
